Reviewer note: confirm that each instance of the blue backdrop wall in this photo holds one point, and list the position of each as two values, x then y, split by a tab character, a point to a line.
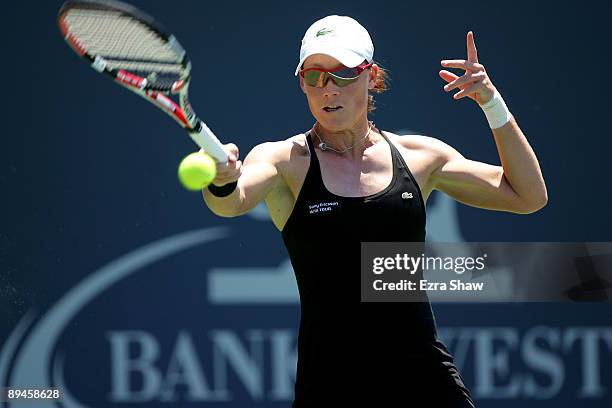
120	287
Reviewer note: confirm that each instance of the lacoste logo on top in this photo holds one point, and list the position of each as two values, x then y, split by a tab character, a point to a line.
323	31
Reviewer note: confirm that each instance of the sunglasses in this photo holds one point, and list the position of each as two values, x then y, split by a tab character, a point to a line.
342	76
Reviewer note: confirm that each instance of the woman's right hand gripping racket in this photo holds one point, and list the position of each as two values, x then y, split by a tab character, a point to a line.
133	49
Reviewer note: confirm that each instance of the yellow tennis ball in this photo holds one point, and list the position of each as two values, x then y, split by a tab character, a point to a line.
197	171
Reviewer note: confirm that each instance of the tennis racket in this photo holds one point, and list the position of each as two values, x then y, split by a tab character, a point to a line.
134	50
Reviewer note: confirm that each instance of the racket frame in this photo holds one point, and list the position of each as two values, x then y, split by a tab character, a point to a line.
182	112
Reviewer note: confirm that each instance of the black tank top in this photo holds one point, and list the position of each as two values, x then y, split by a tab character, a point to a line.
348	350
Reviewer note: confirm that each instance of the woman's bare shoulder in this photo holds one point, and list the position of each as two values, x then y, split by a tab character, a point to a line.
293	146
427	151
416	142
281	151
298	140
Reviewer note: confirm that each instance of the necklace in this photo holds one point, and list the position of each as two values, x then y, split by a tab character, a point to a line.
324	146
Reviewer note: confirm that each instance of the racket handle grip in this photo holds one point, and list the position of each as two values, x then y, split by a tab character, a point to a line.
206	139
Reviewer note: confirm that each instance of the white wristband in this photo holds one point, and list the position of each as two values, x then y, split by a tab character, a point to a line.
496	111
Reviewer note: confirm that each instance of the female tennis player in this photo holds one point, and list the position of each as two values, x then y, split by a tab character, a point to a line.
346	181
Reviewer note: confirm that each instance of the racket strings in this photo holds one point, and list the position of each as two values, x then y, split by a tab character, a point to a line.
144	66
124	42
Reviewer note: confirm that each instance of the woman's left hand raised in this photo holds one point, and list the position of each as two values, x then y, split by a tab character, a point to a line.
474	83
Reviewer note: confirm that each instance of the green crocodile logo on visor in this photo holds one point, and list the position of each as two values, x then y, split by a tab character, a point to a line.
323	31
